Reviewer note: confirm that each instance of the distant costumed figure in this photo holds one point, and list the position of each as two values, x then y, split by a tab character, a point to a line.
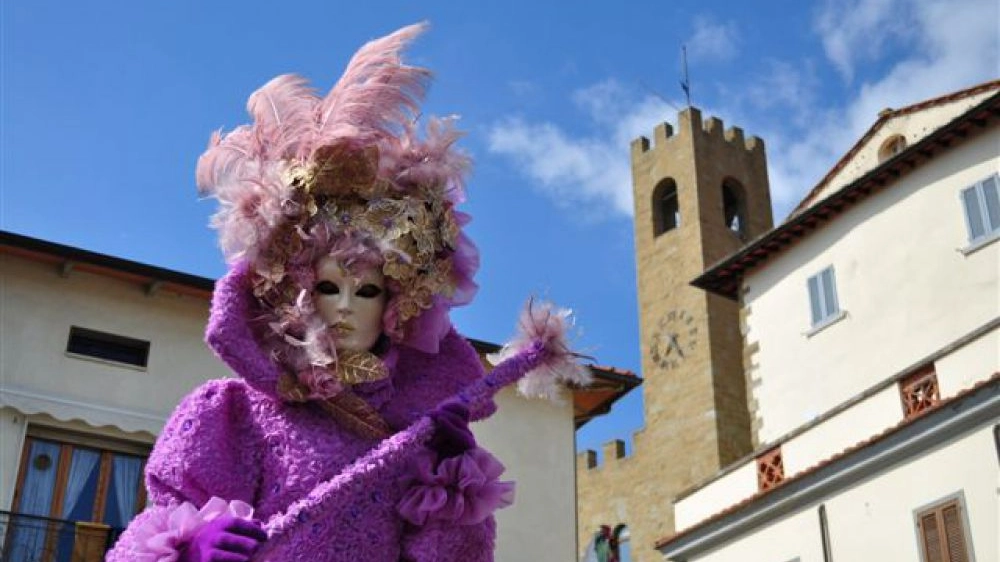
345	434
604	546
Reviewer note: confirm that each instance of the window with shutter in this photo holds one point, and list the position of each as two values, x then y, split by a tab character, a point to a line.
932	538
942	533
823	302
981	203
954	534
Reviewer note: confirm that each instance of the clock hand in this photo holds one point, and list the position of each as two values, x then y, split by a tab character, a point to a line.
675	345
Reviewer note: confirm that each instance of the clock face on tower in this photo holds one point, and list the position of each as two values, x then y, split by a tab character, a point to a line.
674	339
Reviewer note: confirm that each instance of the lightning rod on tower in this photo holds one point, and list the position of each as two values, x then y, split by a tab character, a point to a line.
686	82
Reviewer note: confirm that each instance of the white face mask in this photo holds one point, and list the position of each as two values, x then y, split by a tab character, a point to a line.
350	303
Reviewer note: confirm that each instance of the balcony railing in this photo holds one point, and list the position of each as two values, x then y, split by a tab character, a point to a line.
29	538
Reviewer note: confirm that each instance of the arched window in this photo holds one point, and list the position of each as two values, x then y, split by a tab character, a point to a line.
891	147
666	207
734	207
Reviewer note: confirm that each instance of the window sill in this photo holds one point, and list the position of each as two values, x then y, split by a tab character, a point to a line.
979	244
107	362
826	324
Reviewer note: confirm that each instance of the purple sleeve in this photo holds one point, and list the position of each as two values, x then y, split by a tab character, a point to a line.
455	543
205	450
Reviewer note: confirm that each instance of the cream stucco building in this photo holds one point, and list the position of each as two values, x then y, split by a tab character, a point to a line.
871	335
95	352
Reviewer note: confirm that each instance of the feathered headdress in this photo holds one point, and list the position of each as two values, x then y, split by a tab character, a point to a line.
345	174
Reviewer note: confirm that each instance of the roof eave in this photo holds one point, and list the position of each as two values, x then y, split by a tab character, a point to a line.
609	385
94	262
884	118
724	277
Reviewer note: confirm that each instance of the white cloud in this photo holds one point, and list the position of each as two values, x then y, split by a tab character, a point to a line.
857	31
593	169
949	46
712	41
784	85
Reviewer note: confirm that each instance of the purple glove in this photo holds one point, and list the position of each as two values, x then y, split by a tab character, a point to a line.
224	539
452	436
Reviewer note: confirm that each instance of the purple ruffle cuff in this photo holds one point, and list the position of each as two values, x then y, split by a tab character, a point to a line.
166	529
461	490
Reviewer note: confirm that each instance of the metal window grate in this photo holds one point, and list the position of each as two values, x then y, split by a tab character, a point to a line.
109	347
919	391
31	537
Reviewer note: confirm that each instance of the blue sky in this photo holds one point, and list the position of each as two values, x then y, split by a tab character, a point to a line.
106	106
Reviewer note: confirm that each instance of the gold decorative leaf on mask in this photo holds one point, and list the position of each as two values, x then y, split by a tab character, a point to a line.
355	367
340	169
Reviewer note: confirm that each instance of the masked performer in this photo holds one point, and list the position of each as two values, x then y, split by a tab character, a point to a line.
344	435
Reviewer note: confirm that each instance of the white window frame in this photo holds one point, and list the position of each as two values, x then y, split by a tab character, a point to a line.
990	226
824	303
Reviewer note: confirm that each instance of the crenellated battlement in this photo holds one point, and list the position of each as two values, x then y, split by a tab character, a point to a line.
610	452
690	123
695	183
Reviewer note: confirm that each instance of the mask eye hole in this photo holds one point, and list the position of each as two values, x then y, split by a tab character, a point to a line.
327	288
369	291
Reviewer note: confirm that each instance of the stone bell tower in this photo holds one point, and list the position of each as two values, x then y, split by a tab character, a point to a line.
700	194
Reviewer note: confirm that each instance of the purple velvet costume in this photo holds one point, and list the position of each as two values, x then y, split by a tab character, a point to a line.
236	440
342	175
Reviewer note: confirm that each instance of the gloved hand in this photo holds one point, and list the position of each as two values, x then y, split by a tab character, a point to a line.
224	539
452	436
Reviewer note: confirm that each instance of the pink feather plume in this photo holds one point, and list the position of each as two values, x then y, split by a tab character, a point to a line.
373	102
377	95
547	324
283	117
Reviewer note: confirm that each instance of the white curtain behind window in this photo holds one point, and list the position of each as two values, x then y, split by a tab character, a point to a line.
126	477
28	539
83	465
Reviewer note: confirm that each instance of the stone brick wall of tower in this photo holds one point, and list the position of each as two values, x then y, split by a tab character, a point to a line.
696	417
